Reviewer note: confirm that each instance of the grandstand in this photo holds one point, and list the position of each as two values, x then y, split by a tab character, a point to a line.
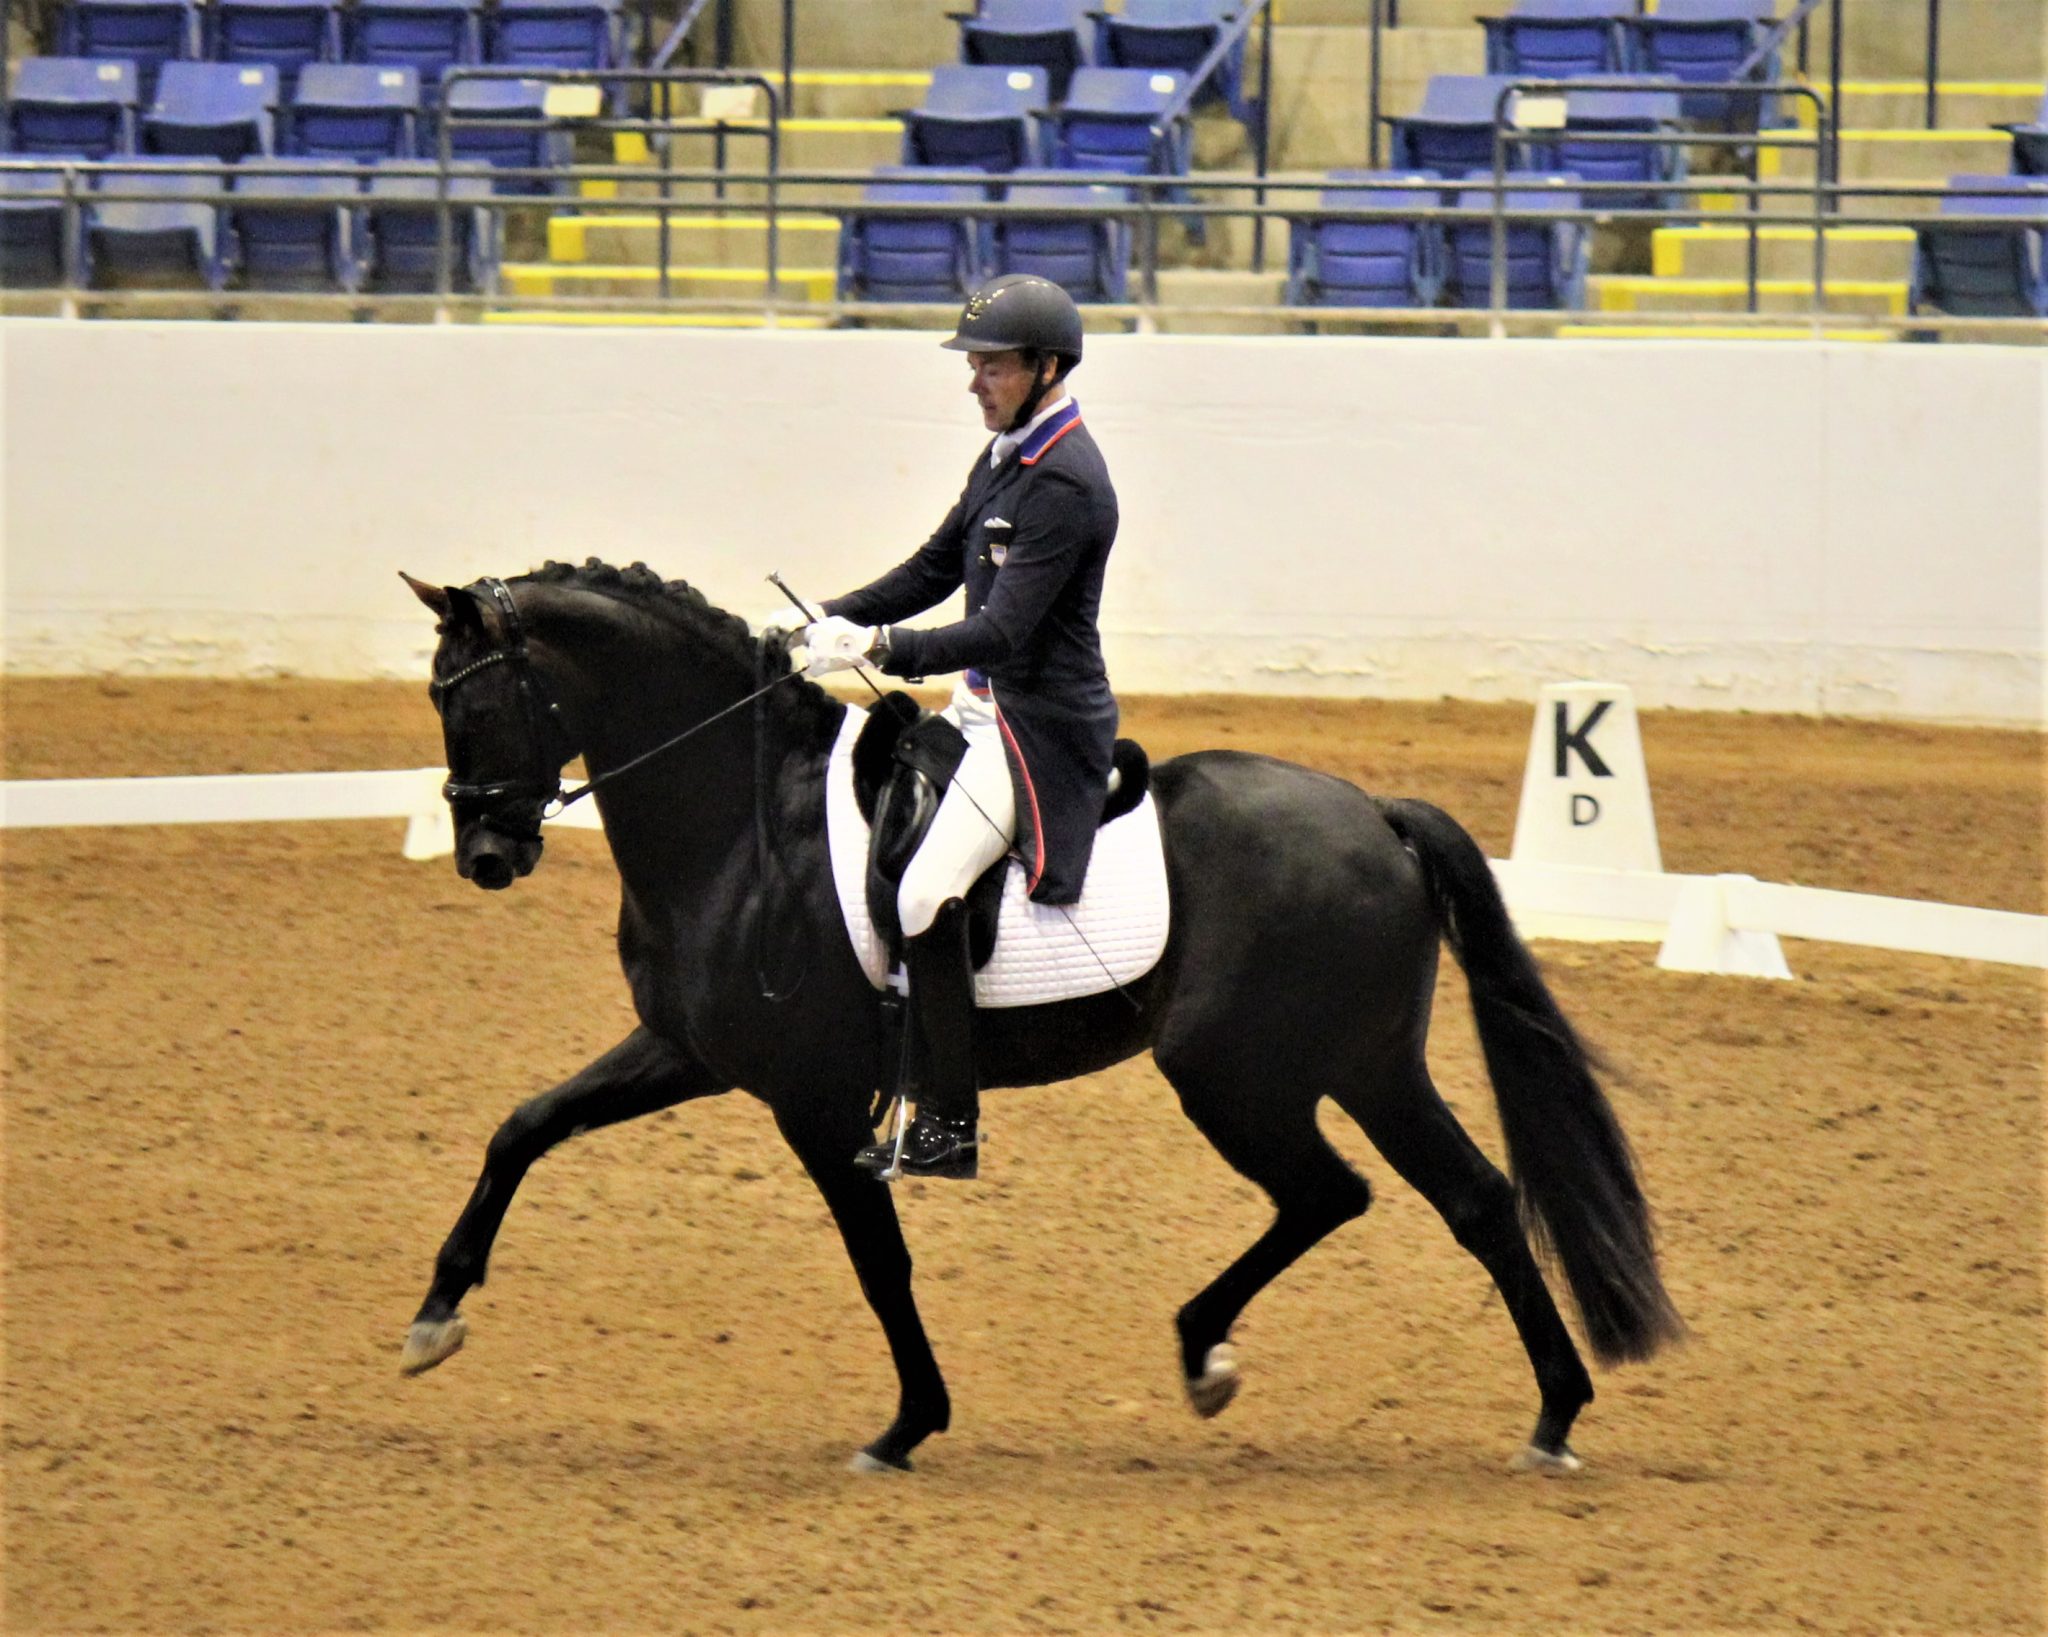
1556	167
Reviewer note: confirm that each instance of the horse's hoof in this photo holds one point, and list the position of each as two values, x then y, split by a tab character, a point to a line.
864	1462
428	1343
1211	1392
1559	1464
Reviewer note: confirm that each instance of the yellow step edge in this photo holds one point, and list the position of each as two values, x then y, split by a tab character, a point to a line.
1617	292
1770	159
1668	244
862	76
1710	332
680	321
568	235
1955	88
530	276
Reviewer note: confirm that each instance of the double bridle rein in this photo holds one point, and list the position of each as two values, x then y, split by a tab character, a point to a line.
542	783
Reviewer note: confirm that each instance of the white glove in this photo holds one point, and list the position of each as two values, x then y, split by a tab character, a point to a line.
788	618
837	645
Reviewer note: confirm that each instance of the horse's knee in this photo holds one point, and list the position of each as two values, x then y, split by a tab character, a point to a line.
523	1138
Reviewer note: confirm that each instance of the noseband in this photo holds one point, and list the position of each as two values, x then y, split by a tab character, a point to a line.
541	783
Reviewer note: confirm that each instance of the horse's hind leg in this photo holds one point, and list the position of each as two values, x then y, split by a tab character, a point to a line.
1276	1145
640	1075
1421	1138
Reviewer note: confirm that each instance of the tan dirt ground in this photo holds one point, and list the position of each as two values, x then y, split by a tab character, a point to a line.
250	1072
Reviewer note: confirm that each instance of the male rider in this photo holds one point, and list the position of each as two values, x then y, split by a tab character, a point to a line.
1029	539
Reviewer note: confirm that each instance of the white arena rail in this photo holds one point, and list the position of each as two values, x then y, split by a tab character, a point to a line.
1701	919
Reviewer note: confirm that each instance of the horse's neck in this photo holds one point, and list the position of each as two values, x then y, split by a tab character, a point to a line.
682	826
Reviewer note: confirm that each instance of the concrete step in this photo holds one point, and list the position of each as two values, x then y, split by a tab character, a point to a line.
693	240
1183	289
1858	253
1898	155
1900	104
873	33
1980	39
857	93
1320	80
655	319
856	145
641	282
1633	293
1600	331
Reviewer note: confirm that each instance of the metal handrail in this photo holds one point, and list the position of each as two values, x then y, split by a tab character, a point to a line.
672	42
1823	173
1240	29
601	78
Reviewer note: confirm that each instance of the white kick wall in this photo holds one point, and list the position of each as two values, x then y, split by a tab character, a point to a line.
1768	526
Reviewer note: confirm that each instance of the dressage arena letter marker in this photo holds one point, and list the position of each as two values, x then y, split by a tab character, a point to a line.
1586	789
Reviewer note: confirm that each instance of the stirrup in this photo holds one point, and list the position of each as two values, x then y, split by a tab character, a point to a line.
925	1147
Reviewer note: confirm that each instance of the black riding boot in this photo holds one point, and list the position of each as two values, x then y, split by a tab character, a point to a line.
943	1140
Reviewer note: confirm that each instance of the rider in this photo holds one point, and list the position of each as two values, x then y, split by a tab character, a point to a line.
1030	539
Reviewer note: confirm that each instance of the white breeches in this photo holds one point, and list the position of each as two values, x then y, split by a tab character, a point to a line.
975	823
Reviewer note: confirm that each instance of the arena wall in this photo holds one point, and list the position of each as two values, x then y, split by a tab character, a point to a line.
1768	526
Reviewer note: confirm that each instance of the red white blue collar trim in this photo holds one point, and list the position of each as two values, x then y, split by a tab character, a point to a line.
1049	432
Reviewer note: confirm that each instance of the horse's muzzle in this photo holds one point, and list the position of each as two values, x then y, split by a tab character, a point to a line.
494	861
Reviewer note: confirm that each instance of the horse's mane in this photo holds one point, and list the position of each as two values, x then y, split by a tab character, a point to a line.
801	704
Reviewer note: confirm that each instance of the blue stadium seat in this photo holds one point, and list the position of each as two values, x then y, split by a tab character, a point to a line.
354	111
35	240
517	137
427	36
1703	42
1088	257
1106	123
1451	134
147	33
287	34
1559	39
1546	260
402	213
555	34
302	236
1055	35
1985	270
72	105
889	256
977	118
224	110
1367	264
170	236
1178	35
2030	144
1631	111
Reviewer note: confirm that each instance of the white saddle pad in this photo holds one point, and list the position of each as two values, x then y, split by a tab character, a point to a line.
1116	933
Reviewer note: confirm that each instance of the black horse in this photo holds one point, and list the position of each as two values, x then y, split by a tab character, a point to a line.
1301	965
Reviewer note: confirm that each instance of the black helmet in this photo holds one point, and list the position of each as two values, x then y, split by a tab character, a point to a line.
1020	312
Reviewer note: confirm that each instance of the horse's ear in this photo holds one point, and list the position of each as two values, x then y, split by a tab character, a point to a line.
438	598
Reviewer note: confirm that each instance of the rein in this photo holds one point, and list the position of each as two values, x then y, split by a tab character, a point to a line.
562	799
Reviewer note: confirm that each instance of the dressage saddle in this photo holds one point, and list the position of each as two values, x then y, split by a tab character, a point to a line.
903	761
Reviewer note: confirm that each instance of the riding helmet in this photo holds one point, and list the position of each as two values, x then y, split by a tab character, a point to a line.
1020	312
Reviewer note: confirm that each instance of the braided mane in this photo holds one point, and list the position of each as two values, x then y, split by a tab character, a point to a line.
801	704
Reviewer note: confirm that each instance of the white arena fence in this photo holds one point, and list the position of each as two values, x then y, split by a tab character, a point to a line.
1726	923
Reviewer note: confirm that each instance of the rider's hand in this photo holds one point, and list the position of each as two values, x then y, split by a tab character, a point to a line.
837	645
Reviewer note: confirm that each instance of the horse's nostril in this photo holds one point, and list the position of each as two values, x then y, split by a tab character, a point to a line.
491	872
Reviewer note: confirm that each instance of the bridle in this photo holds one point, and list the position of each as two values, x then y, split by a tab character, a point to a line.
543	781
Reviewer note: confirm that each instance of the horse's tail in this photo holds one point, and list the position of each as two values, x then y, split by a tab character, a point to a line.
1575	1179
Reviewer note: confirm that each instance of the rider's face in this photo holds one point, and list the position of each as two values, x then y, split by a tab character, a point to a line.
1000	382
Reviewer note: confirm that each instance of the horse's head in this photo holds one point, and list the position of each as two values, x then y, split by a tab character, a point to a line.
505	741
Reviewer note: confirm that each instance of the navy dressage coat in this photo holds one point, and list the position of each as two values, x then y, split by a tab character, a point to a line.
1030	540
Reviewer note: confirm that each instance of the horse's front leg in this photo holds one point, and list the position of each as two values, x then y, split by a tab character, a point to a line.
640	1075
826	1141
